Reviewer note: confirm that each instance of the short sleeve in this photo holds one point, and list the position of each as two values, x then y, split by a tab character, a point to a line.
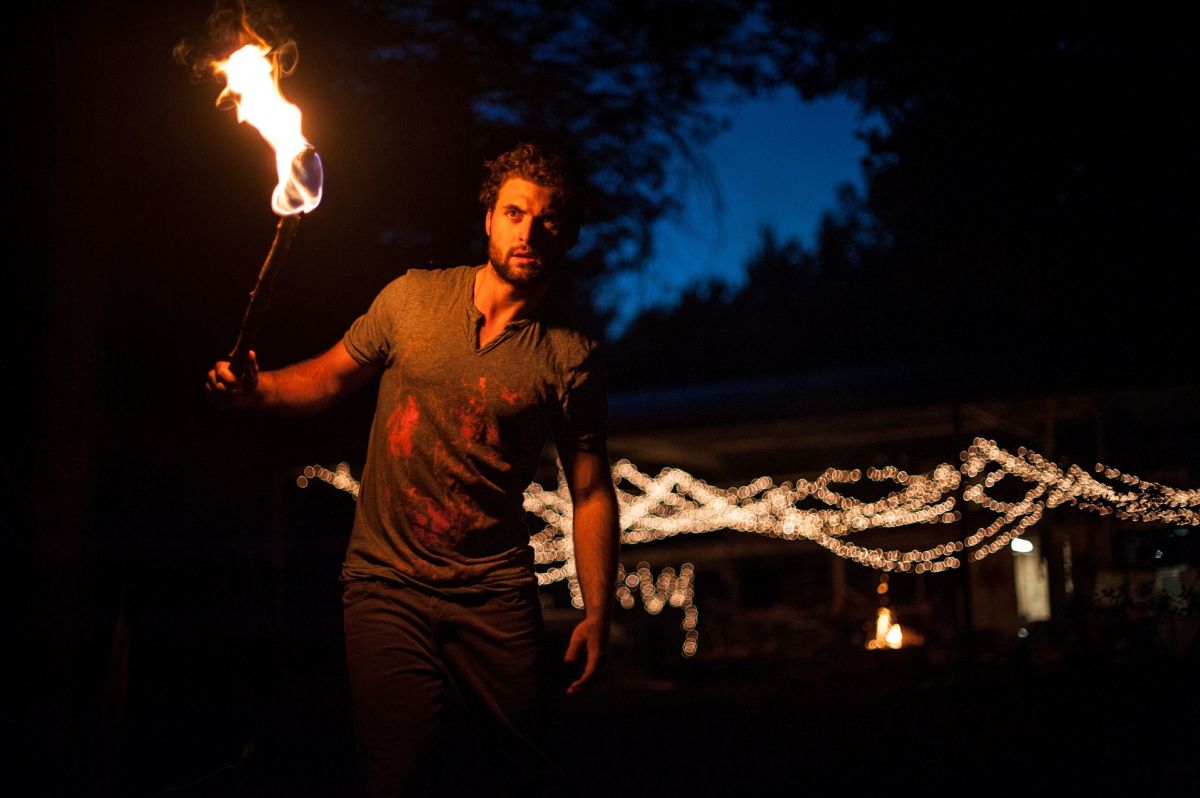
583	424
369	339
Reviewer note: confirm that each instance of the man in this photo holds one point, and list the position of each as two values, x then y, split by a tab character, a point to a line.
442	617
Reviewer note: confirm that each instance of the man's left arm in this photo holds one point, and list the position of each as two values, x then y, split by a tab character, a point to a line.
596	537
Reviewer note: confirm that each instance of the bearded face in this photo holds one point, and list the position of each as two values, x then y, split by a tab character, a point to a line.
519	266
526	235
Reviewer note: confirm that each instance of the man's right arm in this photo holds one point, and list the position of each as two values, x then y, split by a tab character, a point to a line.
301	389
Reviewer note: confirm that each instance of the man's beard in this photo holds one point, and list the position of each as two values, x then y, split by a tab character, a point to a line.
520	277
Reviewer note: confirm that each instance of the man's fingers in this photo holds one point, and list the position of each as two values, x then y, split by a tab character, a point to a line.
217	382
573	648
593	662
584	639
224	383
578	642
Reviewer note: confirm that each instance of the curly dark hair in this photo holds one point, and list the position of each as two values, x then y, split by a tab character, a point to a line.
536	164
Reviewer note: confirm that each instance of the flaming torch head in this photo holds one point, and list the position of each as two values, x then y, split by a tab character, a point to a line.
301	191
252	86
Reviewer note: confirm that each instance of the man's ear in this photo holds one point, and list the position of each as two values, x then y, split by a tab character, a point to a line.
487	224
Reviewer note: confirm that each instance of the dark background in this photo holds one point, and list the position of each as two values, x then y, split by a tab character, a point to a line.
1029	222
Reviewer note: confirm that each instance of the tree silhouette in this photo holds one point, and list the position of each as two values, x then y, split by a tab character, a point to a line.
1030	203
407	99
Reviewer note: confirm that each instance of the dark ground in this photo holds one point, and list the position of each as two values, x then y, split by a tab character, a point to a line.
1113	721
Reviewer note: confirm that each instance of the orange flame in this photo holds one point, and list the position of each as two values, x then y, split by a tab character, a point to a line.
252	84
888	634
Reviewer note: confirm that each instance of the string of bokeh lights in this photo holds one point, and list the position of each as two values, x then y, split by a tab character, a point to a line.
676	503
673	503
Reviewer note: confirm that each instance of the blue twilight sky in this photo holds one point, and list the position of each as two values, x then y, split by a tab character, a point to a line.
779	163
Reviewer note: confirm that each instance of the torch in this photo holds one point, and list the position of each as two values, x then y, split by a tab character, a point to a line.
252	86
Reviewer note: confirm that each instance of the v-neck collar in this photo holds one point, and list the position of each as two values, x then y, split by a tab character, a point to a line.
475	320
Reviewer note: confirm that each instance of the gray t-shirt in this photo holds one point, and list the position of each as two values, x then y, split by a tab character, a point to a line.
458	432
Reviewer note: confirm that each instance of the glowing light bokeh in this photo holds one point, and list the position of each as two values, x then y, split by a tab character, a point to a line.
676	503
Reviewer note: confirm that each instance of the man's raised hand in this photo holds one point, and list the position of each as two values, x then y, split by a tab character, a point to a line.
229	389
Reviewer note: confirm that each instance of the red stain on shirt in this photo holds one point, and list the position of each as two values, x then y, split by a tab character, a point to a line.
436	524
459	432
510	397
474	424
401	424
470	417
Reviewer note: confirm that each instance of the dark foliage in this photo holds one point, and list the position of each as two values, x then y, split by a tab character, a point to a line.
1030	202
408	100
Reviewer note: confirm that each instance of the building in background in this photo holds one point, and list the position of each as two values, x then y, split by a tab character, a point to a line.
769	600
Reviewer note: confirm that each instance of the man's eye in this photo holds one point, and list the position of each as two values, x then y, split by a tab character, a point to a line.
513	213
550	223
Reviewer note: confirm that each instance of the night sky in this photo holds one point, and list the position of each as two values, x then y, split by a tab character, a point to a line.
778	164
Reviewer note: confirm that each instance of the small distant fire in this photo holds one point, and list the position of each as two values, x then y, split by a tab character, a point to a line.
888	633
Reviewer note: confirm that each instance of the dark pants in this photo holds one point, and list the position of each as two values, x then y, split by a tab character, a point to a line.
448	693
